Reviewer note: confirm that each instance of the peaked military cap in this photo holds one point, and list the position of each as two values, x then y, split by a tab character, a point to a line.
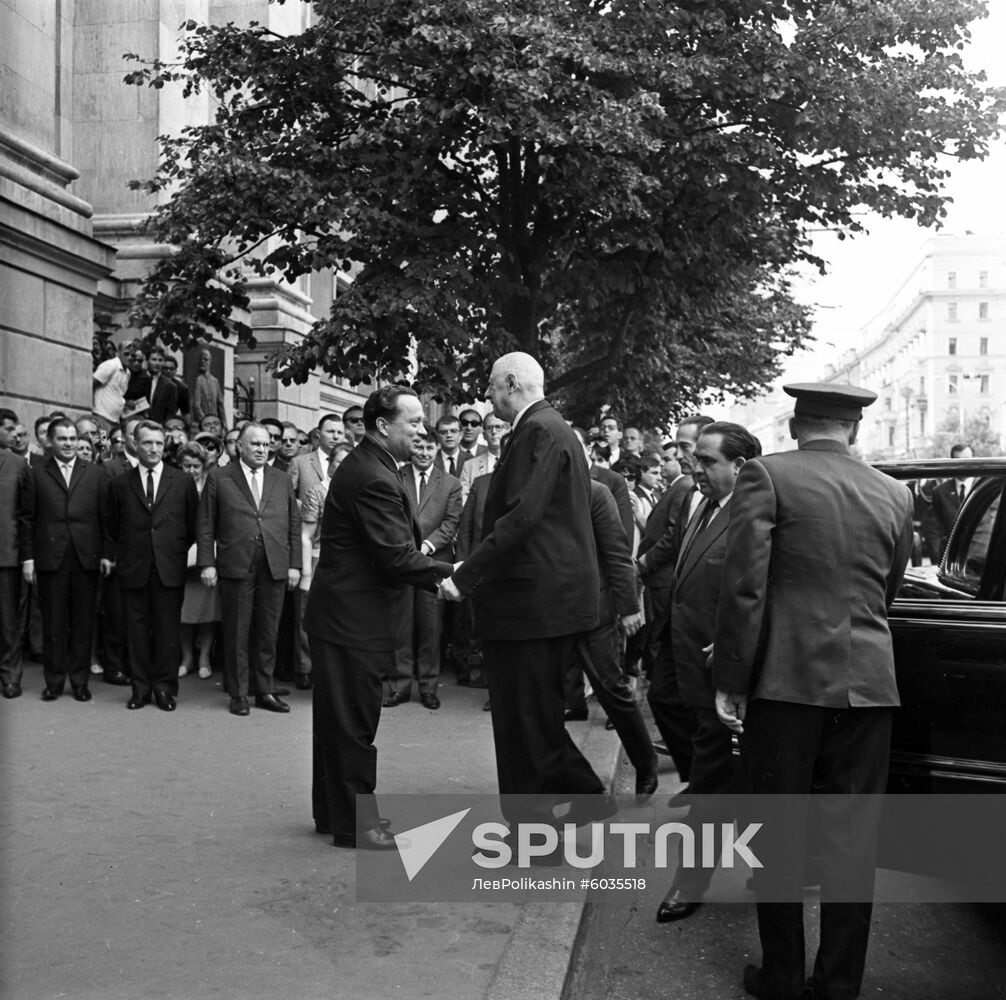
825	399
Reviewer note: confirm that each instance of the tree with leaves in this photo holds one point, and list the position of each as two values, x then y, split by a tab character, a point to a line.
620	188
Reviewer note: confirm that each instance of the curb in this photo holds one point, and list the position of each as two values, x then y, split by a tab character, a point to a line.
537	959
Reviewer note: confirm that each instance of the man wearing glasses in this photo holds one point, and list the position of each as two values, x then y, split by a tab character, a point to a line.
471	423
352	421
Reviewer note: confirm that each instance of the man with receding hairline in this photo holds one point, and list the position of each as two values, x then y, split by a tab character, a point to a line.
533	580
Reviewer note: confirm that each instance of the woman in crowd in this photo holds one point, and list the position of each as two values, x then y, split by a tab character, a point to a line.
201	605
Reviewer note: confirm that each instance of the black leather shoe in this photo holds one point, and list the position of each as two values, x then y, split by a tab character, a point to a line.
646	783
239	706
271	703
165	701
394	699
138	701
680	800
430	701
50	693
80	692
675	907
754	983
116	677
378	838
303	682
660	747
576	714
12	690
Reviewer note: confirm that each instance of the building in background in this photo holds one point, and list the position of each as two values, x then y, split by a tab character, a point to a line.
935	355
72	249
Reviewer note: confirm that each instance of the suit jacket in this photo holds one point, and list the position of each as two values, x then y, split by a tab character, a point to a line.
14	472
617	594
472	469
441	464
946	503
117	466
817	546
208	399
472	515
534	574
663	533
696	577
182	396
227	515
306	471
369	555
280	464
56	518
620	491
163	399
439	511
138	537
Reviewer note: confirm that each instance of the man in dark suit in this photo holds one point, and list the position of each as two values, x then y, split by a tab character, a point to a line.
534	582
449	457
62	522
170	369
470	422
720	452
436	499
14	472
150	525
163	393
369	562
803	668
249	541
947	498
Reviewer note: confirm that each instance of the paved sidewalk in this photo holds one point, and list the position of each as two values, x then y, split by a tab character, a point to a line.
148	855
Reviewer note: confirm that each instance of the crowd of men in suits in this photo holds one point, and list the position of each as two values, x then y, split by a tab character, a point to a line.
563	553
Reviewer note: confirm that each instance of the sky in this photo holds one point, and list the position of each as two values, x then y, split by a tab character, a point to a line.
867	270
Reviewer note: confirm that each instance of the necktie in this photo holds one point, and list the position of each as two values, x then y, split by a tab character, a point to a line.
707	515
256	493
150	487
451	466
960	491
704	519
67	469
422	484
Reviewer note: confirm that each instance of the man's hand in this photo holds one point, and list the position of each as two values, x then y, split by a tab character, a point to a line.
631	624
708	650
305	582
209	576
457	566
107	567
731	708
28	572
292	578
448	591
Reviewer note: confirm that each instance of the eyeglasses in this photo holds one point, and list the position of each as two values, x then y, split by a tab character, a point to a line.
291	441
471	423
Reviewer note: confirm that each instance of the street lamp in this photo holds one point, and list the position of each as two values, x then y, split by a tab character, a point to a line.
906	391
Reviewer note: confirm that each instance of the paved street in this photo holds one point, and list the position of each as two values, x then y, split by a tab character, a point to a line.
147	855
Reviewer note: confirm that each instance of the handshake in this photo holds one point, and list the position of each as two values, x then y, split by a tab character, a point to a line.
448	590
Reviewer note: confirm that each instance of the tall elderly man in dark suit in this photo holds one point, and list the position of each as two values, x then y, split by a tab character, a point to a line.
60	540
14	472
436	499
150	524
804	670
534	581
248	539
720	453
368	563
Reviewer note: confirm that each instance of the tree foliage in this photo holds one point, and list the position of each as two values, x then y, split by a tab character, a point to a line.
618	187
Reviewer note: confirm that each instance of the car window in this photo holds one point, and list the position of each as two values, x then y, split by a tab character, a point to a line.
959	565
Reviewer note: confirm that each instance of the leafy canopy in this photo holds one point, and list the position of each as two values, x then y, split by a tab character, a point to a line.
619	188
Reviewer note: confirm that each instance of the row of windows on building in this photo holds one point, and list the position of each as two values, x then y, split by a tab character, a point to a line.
953	313
953	343
983	279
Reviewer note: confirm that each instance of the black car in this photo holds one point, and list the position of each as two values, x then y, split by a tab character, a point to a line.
949	629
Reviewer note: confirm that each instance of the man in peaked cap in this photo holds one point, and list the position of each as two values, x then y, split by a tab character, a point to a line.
804	670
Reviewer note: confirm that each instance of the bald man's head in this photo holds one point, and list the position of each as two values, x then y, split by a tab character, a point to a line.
516	381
